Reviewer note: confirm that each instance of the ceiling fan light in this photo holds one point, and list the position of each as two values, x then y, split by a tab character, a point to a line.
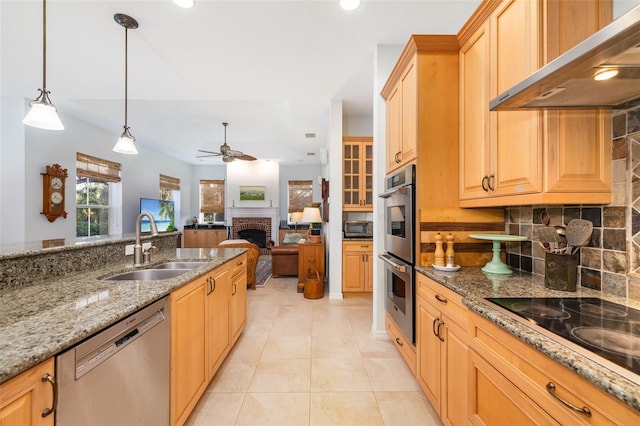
227	159
125	144
43	114
349	4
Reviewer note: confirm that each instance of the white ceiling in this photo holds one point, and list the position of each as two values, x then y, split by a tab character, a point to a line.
269	68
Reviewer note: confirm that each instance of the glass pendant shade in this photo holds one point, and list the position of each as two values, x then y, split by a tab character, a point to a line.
125	144
43	114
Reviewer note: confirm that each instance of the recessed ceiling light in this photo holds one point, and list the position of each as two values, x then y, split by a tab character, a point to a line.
605	74
349	4
309	135
311	154
184	3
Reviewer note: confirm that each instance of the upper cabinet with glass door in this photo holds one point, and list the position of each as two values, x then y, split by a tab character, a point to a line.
357	188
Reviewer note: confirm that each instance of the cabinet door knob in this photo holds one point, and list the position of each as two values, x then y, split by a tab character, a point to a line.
440	325
433	326
398	341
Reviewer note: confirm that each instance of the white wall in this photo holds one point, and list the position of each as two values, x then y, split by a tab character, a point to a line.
259	172
361	125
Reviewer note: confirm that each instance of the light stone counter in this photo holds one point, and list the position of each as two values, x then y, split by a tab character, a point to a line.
474	285
42	319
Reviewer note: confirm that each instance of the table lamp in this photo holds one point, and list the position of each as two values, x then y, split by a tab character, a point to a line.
296	217
311	215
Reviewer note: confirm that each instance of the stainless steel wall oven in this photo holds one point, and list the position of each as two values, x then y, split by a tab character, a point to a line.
399	245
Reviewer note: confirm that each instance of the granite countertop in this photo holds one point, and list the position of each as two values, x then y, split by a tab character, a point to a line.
474	285
45	318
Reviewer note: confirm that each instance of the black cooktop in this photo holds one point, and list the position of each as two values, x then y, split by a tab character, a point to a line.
608	329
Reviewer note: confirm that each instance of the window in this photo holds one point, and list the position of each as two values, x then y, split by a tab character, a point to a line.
168	185
300	195
212	200
98	196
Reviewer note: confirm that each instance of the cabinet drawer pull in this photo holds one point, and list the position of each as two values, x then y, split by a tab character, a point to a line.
440	325
491	182
551	388
485	183
239	263
398	341
441	299
49	378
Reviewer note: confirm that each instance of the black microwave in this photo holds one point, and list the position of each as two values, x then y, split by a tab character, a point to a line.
358	229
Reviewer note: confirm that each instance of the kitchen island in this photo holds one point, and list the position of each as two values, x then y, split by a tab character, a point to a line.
45	317
474	285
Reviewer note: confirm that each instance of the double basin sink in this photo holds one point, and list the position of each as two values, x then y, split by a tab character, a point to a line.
163	271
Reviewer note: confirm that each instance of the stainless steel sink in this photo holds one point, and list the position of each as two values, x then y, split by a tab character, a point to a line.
149	274
180	265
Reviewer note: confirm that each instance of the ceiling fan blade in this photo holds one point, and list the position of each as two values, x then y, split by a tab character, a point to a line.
209	152
246	157
233	153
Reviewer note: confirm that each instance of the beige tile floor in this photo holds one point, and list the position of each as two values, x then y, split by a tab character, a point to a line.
311	362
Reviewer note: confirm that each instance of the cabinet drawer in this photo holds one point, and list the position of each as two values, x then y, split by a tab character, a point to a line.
531	372
357	246
404	345
439	295
238	264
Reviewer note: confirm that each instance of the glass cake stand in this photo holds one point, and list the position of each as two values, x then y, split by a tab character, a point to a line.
497	266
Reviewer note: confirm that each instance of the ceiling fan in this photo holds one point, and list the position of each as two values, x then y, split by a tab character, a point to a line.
228	154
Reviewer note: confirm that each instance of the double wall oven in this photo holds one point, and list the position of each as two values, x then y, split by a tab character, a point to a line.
399	246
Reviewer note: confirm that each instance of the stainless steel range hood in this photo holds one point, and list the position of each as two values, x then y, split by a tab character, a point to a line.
567	82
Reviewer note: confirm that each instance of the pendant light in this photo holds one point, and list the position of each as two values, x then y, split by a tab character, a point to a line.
43	113
125	144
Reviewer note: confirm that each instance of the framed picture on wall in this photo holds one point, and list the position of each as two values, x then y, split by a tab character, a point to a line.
252	193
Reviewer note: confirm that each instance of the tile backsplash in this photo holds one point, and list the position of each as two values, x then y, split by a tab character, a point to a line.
611	260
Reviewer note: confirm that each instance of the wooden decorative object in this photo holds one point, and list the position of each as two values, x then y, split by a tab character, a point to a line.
53	192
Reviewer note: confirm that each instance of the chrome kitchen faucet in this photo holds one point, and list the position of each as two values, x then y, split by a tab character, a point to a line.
138	258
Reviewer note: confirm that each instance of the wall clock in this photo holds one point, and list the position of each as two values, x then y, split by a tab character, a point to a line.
53	196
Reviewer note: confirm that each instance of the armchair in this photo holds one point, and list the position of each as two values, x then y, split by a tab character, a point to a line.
253	253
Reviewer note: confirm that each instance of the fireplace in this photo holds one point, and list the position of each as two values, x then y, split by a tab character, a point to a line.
255	236
253	229
254	218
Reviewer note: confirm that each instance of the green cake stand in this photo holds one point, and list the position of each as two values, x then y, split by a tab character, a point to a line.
497	266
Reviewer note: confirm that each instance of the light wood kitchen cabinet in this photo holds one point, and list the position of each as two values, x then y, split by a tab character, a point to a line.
207	317
402	133
310	255
24	397
188	349
357	266
238	297
204	238
217	288
527	157
357	172
509	383
441	343
402	343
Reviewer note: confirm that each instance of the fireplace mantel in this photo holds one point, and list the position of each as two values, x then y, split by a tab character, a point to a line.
267	212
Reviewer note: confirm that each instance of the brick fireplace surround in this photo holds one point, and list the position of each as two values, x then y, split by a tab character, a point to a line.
260	223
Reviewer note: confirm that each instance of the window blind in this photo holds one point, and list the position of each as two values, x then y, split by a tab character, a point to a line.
211	196
300	195
97	168
170	183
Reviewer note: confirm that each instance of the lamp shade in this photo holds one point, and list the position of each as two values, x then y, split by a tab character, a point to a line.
311	215
126	143
43	116
296	217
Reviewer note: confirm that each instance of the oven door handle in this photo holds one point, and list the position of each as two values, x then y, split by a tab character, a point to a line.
398	267
399	189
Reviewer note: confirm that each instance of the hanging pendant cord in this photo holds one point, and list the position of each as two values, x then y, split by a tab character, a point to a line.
44	45
126	67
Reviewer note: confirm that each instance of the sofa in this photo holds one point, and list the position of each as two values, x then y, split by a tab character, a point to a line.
253	253
284	258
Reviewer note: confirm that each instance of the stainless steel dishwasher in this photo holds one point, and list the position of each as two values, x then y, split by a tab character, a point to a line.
120	376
